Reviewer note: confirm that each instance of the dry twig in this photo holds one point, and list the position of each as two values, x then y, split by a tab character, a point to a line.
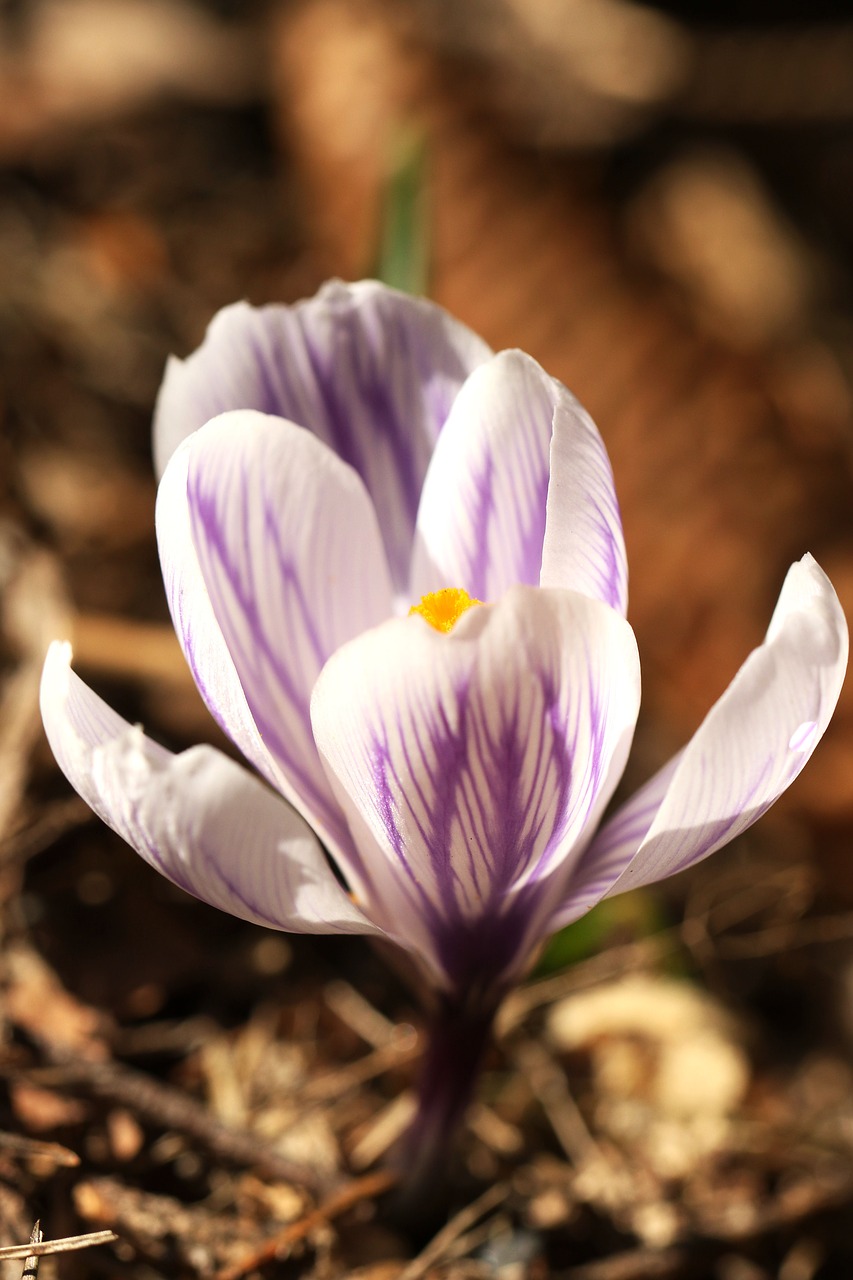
41	1248
636	1264
439	1246
31	1262
373	1184
52	822
548	1084
586	973
356	1012
28	1148
403	1048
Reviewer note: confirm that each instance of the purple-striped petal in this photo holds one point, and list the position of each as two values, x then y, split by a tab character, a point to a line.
272	559
747	751
519	490
371	371
195	624
198	818
469	764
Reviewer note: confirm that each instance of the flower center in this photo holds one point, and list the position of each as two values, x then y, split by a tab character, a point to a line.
443	609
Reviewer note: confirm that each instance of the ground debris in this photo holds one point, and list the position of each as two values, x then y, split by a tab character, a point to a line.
169	1108
283	1242
162	1229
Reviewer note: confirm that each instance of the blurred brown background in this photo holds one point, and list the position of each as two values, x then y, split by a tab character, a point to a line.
654	201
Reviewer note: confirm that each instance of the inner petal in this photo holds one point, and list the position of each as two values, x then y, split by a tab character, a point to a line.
372	372
519	490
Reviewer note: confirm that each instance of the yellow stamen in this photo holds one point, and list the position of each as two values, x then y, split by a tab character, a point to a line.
443	609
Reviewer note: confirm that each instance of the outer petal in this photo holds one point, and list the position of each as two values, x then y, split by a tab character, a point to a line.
519	490
198	818
272	559
371	371
748	750
470	764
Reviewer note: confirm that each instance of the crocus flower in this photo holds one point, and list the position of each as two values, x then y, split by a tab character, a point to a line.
436	778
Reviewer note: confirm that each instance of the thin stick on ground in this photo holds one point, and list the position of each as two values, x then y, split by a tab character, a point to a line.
31	1262
456	1227
366	1188
67	1244
548	1084
17	1144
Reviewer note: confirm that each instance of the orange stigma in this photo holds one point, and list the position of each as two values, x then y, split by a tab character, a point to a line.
443	609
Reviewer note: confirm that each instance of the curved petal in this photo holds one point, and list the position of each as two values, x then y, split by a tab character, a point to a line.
519	490
272	559
584	549
469	764
747	751
198	818
197	629
371	371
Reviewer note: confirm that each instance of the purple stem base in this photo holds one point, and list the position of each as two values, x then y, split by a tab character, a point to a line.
458	1040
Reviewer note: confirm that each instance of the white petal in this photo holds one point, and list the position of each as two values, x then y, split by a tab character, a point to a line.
519	490
371	371
584	549
469	764
272	558
748	750
198	818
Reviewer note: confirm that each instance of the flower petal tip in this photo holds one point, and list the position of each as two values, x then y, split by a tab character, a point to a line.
808	591
56	670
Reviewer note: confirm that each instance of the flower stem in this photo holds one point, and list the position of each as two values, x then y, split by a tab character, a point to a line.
458	1039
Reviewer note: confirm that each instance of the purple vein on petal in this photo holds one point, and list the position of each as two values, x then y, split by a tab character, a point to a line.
88	726
482	509
376	383
610	855
583	546
605	561
372	372
465	778
474	760
291	559
371	384
248	650
214	867
520	547
487	500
